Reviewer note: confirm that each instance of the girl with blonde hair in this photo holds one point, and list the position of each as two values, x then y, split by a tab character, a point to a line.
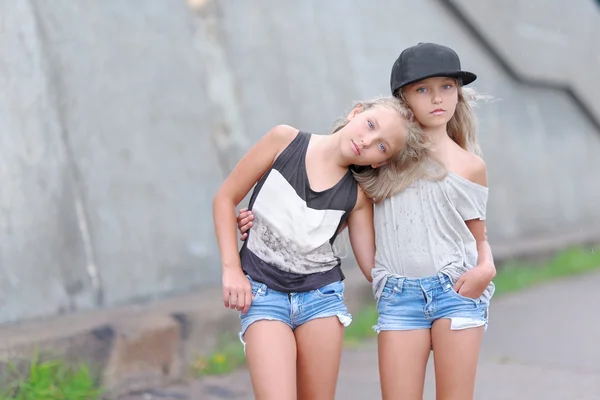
287	280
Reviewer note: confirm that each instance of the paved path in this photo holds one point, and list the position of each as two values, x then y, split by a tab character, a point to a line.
543	343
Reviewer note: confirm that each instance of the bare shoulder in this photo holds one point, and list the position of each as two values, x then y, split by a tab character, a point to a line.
475	169
281	135
469	166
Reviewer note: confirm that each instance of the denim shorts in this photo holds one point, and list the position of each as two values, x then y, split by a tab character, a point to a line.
295	309
415	303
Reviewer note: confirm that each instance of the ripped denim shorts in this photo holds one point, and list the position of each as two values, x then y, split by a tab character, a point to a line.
295	309
415	303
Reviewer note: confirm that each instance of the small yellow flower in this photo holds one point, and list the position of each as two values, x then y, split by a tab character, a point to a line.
220	358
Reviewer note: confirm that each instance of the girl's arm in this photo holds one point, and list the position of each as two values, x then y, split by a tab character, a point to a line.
484	252
478	174
237	292
474	282
362	234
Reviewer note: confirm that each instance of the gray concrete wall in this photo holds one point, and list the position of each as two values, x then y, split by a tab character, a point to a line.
543	41
133	104
42	257
119	121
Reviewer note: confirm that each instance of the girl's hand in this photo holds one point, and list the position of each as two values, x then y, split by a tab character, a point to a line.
473	283
237	290
244	222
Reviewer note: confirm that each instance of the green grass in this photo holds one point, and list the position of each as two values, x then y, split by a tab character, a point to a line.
49	380
361	326
228	357
517	275
511	277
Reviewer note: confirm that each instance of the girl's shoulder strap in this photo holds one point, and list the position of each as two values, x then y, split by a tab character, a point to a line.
296	149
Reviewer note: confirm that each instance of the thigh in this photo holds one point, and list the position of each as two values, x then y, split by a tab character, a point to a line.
404	340
403	359
320	325
271	359
455	353
319	344
267	305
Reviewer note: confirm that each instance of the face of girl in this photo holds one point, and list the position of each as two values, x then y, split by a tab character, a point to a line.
372	136
432	100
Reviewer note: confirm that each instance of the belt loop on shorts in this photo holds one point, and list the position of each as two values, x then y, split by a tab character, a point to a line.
399	285
445	280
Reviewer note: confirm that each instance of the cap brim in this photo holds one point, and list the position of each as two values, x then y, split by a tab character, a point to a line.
465	76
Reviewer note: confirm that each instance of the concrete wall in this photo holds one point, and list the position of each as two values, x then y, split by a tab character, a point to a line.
543	42
42	257
119	121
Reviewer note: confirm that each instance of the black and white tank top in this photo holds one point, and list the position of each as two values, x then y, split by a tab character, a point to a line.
290	245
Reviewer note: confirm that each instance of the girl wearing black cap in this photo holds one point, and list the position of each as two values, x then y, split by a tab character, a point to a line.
434	268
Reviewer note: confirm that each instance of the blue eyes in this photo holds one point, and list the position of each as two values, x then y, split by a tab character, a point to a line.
423	89
372	127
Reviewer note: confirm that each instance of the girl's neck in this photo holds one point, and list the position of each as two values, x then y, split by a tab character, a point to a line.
438	136
328	146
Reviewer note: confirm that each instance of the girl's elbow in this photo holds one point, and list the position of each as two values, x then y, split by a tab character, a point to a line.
221	204
216	201
367	273
221	197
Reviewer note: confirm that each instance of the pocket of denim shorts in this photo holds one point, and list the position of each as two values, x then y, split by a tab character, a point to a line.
332	289
464	298
258	288
388	292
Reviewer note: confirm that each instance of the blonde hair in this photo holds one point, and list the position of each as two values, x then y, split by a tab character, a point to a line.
462	127
409	164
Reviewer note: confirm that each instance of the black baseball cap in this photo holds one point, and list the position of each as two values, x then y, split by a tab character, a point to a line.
426	60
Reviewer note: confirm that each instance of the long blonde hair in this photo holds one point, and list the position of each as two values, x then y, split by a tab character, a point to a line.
409	164
462	127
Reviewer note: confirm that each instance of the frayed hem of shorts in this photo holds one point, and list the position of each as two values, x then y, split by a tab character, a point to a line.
379	328
462	323
345	319
243	332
